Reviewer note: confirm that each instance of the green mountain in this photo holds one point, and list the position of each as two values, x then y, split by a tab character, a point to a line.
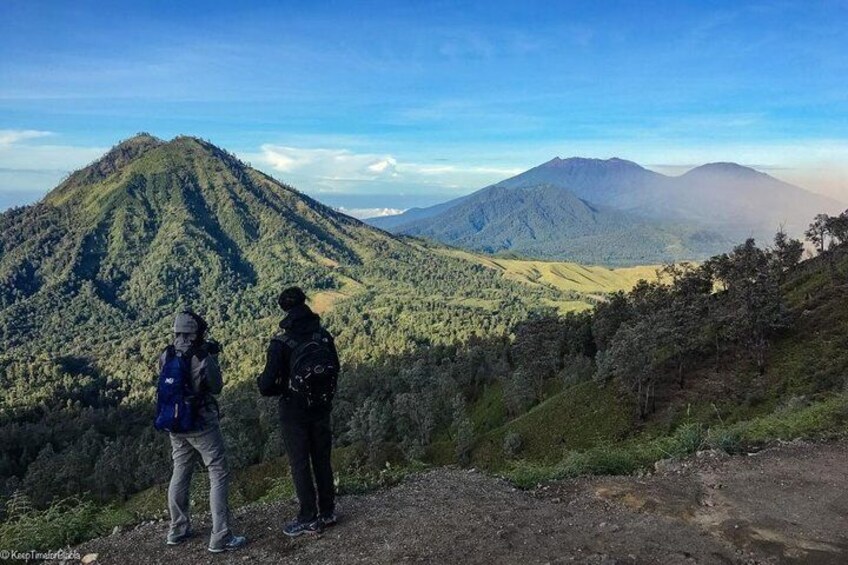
156	223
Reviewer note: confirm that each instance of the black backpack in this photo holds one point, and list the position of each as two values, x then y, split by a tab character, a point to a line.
313	368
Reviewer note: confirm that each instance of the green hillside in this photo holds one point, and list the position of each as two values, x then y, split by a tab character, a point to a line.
726	402
532	369
91	276
575	422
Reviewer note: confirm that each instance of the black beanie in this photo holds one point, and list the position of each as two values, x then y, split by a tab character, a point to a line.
291	297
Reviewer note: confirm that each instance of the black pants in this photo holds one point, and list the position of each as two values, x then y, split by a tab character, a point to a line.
308	441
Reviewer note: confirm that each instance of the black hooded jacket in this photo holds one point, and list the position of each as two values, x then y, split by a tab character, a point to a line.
274	380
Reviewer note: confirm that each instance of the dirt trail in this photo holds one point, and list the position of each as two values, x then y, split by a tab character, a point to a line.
784	505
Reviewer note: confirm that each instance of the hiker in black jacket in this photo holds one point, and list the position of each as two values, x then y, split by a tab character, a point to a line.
301	348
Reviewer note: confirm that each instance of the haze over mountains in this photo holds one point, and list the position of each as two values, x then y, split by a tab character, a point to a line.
616	212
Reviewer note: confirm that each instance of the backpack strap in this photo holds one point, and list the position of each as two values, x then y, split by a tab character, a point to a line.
286	339
202	398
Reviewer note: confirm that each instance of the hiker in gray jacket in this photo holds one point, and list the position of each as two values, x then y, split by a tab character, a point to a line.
190	377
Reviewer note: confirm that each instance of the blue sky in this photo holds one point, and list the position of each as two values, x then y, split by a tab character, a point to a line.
394	104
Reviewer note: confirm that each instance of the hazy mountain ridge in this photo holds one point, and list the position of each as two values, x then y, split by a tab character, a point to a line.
699	213
549	222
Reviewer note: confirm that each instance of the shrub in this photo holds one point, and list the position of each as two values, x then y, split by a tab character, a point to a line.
279	488
725	440
63	523
687	439
821	419
603	460
513	442
518	392
525	474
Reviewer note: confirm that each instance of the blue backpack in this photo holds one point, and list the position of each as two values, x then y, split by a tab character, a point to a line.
175	401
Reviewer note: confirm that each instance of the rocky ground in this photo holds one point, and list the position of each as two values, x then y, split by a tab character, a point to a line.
787	504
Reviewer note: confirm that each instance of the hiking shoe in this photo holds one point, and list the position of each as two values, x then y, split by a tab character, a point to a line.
236	542
297	527
177	540
329	519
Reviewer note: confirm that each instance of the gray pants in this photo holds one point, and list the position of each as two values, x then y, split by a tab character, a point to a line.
209	445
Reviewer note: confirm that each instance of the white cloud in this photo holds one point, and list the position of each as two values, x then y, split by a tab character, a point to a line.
280	161
424	169
382	165
363	213
48	157
10	136
328	164
35	168
343	170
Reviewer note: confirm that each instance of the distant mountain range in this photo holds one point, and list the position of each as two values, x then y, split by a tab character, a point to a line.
616	212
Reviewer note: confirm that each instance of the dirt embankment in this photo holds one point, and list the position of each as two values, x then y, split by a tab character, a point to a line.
784	505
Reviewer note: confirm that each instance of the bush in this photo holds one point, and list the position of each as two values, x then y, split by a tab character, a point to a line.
824	418
518	392
525	474
512	445
463	431
366	480
687	439
725	440
63	523
605	460
600	460
279	488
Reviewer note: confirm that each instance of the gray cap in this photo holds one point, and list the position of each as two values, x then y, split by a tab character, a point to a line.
185	324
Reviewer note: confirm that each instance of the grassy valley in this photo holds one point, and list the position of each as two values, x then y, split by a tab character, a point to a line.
588	280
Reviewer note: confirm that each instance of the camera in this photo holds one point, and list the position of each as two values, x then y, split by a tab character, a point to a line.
212	347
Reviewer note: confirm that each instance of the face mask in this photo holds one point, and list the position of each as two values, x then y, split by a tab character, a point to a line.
183	341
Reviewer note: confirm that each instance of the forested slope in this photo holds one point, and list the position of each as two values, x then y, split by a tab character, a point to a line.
449	357
91	276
